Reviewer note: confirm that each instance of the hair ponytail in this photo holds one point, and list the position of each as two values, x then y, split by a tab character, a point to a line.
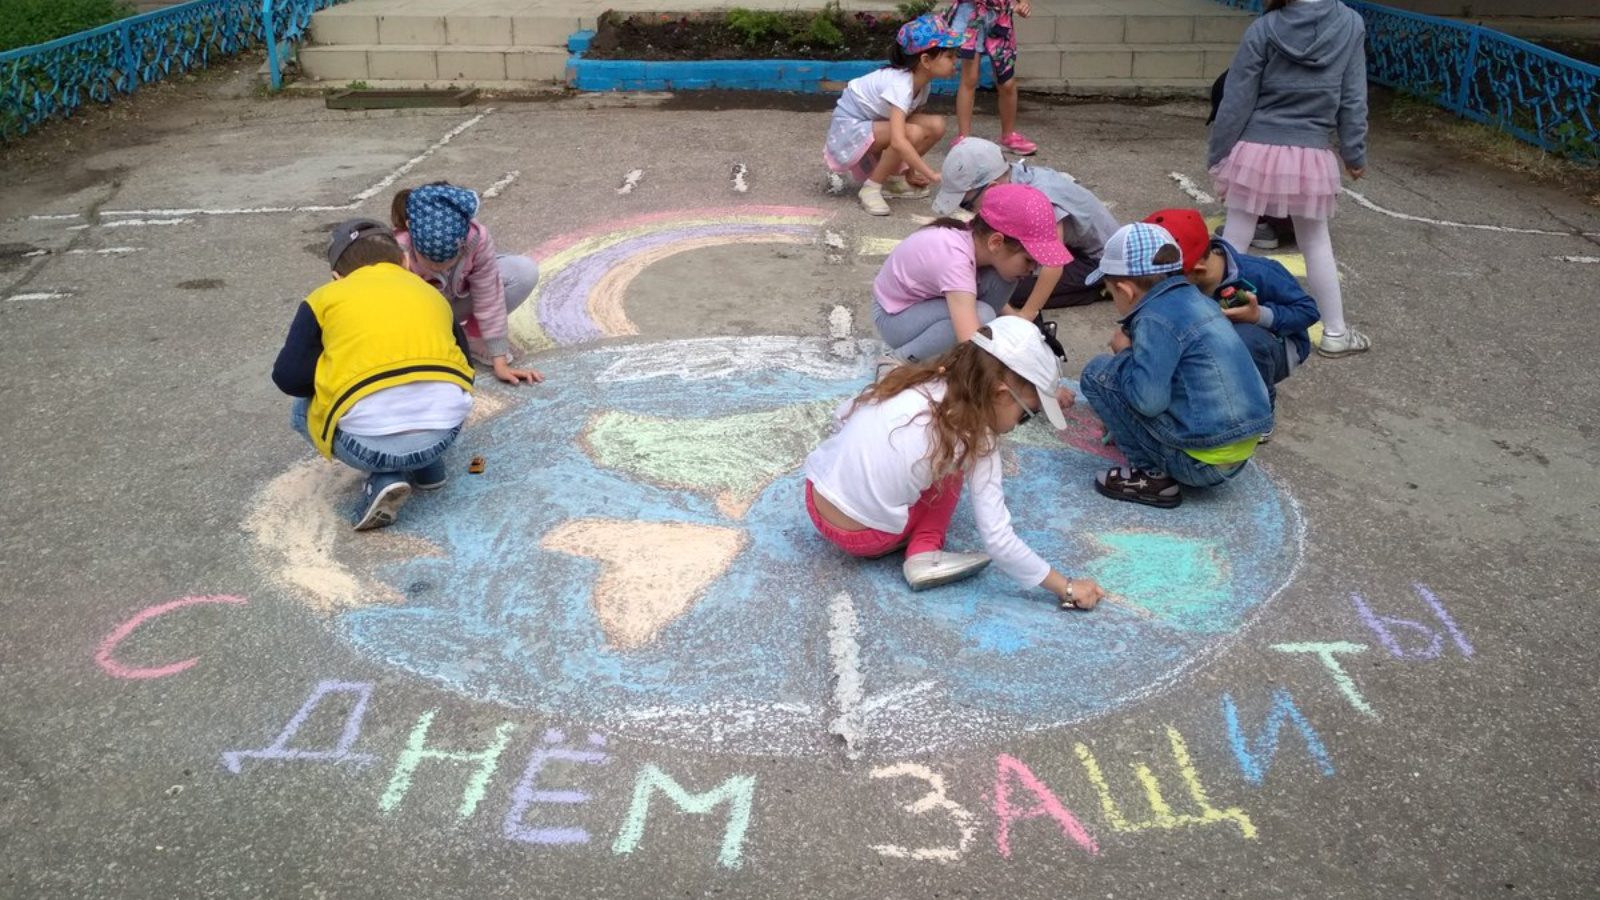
397	211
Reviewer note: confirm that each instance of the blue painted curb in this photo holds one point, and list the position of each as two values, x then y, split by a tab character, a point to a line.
802	76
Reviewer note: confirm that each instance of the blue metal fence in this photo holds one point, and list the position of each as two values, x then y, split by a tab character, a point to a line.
44	81
1538	95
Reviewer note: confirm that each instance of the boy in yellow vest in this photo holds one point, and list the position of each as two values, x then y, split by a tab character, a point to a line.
379	369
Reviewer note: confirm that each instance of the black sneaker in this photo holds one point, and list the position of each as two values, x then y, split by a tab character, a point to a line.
383	495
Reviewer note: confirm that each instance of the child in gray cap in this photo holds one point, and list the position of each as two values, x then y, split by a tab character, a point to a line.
378	369
1082	220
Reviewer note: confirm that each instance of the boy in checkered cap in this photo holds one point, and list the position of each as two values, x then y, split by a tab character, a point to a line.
1179	392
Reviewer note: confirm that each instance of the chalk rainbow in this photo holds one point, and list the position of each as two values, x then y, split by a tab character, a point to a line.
584	276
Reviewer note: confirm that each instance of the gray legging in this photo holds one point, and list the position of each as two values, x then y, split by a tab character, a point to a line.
519	274
924	330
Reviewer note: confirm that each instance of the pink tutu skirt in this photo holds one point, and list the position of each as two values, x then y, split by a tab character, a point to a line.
1275	180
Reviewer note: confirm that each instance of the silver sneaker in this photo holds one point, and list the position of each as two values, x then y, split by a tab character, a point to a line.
936	567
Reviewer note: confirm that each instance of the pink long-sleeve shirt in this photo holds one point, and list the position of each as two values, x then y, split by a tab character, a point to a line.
473	286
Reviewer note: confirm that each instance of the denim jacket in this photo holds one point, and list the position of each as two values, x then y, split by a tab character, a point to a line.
1286	309
1188	373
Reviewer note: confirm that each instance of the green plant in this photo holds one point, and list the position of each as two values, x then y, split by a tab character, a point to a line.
1572	143
357	86
821	31
758	26
910	9
26	22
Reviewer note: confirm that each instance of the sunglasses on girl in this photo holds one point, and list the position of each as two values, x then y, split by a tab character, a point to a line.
1026	412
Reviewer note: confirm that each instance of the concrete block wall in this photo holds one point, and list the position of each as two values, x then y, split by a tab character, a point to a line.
377	42
1082	46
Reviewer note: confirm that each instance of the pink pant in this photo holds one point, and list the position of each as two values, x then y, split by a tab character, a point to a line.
926	524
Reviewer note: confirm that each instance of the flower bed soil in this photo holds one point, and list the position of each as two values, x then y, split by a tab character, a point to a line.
667	37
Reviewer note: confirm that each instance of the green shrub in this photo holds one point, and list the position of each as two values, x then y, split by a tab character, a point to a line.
822	30
912	8
758	26
25	22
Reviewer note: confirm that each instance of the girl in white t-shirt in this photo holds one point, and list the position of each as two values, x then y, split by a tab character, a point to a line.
876	131
891	476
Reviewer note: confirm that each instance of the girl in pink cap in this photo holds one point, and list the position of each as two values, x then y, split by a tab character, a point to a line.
876	131
938	286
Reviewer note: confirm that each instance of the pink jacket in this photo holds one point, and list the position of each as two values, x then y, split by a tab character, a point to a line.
473	286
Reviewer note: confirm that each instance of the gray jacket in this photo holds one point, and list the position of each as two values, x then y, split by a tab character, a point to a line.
1300	72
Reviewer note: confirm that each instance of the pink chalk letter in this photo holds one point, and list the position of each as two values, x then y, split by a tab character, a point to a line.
104	657
1005	813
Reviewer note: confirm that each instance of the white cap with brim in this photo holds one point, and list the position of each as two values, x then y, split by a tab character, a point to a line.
971	164
1018	344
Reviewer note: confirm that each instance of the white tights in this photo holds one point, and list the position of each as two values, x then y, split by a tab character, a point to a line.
1322	273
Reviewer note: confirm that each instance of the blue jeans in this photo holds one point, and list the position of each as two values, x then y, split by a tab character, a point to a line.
1270	354
388	454
1135	438
924	331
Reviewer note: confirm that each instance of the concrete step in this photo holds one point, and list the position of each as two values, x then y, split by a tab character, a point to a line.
353	25
1050	62
444	64
1087	26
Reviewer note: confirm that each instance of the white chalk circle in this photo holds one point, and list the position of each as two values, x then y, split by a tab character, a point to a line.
637	556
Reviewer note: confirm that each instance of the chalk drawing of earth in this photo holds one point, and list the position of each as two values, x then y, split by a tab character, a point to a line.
638	556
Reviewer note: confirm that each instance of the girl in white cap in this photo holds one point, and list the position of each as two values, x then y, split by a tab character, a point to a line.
891	476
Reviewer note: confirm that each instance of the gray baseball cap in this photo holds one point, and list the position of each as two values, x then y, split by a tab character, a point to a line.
971	164
350	231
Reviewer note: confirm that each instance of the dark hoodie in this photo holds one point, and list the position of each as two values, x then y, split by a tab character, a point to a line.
1300	72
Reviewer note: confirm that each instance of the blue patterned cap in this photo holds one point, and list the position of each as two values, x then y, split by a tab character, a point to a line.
1131	251
438	216
926	33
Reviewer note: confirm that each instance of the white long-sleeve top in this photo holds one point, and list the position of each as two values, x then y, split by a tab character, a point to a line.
875	468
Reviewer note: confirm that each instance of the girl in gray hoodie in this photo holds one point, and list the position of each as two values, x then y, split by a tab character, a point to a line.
1299	75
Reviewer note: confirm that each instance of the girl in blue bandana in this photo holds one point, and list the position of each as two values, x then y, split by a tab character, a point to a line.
452	251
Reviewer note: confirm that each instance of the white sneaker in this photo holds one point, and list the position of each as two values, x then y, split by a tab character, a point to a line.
936	567
898	188
872	201
1352	341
